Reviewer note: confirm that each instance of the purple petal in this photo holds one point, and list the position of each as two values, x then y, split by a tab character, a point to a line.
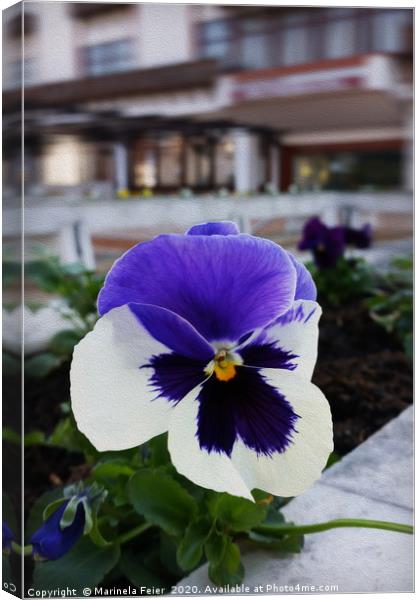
173	331
224	286
215	228
305	286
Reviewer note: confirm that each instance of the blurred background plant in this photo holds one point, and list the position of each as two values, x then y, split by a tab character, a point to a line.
391	304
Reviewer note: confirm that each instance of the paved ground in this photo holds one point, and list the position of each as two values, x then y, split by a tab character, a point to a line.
374	481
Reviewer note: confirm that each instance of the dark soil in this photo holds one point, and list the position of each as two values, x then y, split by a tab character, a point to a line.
363	372
361	369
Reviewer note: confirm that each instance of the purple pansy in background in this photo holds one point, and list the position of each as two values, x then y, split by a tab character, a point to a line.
328	244
54	539
7	538
359	238
211	336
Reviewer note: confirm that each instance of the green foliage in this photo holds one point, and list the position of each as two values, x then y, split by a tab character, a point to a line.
349	279
391	304
84	566
150	492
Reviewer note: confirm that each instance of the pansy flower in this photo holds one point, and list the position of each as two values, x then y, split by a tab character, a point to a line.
55	538
359	238
327	244
211	336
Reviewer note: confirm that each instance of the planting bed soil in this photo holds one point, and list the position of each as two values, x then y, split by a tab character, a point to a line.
361	369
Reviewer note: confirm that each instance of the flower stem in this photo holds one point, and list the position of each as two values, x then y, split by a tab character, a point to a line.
129	535
287	528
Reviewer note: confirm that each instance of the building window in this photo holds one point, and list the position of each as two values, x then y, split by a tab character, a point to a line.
389	30
215	39
109	57
348	171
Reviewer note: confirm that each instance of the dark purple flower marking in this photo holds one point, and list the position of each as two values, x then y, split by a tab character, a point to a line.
247	408
243	407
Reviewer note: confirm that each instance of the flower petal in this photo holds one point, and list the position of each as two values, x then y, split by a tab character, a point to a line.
112	399
293	471
173	331
224	286
295	332
214	228
212	470
305	285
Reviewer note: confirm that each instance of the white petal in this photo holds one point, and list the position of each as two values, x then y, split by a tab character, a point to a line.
112	402
210	470
293	471
297	332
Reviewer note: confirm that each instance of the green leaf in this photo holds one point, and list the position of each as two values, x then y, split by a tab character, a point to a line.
238	513
215	546
10	514
332	459
228	570
190	550
11	436
162	501
41	365
84	566
159	454
138	573
110	470
34	438
63	343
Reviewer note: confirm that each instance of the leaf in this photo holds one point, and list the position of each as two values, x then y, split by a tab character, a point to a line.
139	574
159	454
162	501
34	438
238	513
41	365
11	436
215	546
63	343
190	550
84	566
228	570
332	459
112	470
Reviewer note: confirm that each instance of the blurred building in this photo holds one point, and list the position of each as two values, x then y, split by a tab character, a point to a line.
167	97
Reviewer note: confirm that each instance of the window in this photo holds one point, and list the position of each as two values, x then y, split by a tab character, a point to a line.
215	39
357	170
109	57
388	29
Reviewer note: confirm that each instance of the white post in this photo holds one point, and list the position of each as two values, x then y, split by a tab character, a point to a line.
121	166
275	166
246	162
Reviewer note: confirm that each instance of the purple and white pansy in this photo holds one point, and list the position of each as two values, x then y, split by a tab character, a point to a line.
211	336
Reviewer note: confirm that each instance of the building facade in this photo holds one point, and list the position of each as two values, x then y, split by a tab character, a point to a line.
166	97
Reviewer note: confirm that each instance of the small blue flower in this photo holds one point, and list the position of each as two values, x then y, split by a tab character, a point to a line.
7	538
211	336
52	540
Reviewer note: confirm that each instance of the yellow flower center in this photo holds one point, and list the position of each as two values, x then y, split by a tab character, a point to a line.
224	365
